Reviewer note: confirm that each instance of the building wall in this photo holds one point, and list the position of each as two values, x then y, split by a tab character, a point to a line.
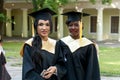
18	22
86	6
107	13
107	23
86	21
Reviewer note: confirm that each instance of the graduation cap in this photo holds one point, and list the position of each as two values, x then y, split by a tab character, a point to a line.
44	14
75	16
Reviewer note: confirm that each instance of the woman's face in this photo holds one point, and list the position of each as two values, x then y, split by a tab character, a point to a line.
74	29
43	28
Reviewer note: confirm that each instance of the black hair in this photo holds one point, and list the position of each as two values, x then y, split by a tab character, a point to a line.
67	22
37	44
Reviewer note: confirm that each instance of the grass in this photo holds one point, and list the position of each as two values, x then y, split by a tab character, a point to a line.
109	61
109	57
12	55
12	49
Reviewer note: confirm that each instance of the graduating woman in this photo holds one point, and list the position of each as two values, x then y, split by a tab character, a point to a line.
76	56
38	52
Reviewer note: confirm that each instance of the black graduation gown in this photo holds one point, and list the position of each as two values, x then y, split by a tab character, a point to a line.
80	60
2	62
29	71
2	59
2	67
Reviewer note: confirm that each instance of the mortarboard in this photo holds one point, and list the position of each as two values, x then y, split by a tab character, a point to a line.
75	16
44	14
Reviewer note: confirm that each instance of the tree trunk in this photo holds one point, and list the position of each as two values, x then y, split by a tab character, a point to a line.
1	11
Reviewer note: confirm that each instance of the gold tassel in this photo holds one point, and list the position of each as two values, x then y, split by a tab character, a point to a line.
80	30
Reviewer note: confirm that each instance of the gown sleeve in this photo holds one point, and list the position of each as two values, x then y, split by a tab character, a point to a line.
28	70
3	59
92	69
0	67
59	61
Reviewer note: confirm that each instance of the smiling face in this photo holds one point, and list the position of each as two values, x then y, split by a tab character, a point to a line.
74	29
43	28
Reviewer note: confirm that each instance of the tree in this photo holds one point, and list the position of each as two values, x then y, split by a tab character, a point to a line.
53	4
1	15
3	18
103	1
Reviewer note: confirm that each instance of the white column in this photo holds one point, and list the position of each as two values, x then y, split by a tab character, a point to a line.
119	26
100	24
25	24
8	24
60	23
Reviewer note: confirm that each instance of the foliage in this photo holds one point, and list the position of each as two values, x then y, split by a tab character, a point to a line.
103	1
12	49
109	61
3	18
93	1
106	1
53	4
37	4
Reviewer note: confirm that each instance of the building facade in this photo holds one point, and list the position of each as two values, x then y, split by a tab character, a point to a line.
102	24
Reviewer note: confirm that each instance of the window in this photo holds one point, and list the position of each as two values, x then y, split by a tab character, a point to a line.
56	21
93	24
114	24
28	23
13	25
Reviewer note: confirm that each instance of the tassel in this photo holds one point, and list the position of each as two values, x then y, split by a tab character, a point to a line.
80	30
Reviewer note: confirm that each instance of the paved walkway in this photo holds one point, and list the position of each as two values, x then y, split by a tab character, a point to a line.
16	74
14	68
109	43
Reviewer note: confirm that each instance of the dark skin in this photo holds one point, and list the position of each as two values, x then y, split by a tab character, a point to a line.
74	29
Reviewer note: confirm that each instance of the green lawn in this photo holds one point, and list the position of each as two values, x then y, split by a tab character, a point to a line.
110	61
109	58
12	49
